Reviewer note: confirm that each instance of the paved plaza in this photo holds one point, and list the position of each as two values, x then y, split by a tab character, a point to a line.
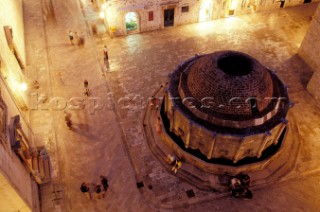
108	137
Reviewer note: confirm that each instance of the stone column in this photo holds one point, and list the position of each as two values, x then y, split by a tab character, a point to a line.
187	143
209	156
263	144
276	139
238	153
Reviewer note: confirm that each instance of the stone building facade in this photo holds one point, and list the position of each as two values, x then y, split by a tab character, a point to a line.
226	105
22	164
310	51
127	17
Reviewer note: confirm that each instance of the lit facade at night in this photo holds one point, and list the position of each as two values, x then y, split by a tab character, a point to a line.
23	165
127	17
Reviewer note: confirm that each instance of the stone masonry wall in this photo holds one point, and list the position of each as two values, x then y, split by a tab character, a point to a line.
227	146
310	50
11	14
16	173
10	164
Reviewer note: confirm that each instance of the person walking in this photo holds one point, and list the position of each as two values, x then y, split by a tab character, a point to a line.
71	37
104	182
105	52
86	84
106	57
79	39
84	188
98	191
69	124
67	118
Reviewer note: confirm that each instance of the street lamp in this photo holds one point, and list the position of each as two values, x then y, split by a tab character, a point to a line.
101	14
23	86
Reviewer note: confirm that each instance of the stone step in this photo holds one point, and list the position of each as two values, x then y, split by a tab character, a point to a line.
187	172
281	167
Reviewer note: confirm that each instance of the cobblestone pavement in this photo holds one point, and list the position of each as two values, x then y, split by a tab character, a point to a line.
94	147
110	140
140	63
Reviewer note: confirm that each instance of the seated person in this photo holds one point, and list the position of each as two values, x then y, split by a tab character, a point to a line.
246	194
245	180
176	166
171	159
236	187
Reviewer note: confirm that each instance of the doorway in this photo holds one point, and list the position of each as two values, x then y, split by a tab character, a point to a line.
282	3
205	13
168	17
307	1
253	105
132	21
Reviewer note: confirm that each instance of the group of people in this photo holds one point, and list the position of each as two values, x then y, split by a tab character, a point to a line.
74	38
99	190
174	162
239	186
79	40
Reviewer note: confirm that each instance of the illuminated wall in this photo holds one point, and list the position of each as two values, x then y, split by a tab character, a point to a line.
10	199
12	45
12	15
185	11
18	191
310	50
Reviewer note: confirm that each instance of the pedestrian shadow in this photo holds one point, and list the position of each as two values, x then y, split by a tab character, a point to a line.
84	130
106	64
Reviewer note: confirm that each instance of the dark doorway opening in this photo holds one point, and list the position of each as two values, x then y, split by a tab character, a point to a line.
168	17
307	1
282	4
253	104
